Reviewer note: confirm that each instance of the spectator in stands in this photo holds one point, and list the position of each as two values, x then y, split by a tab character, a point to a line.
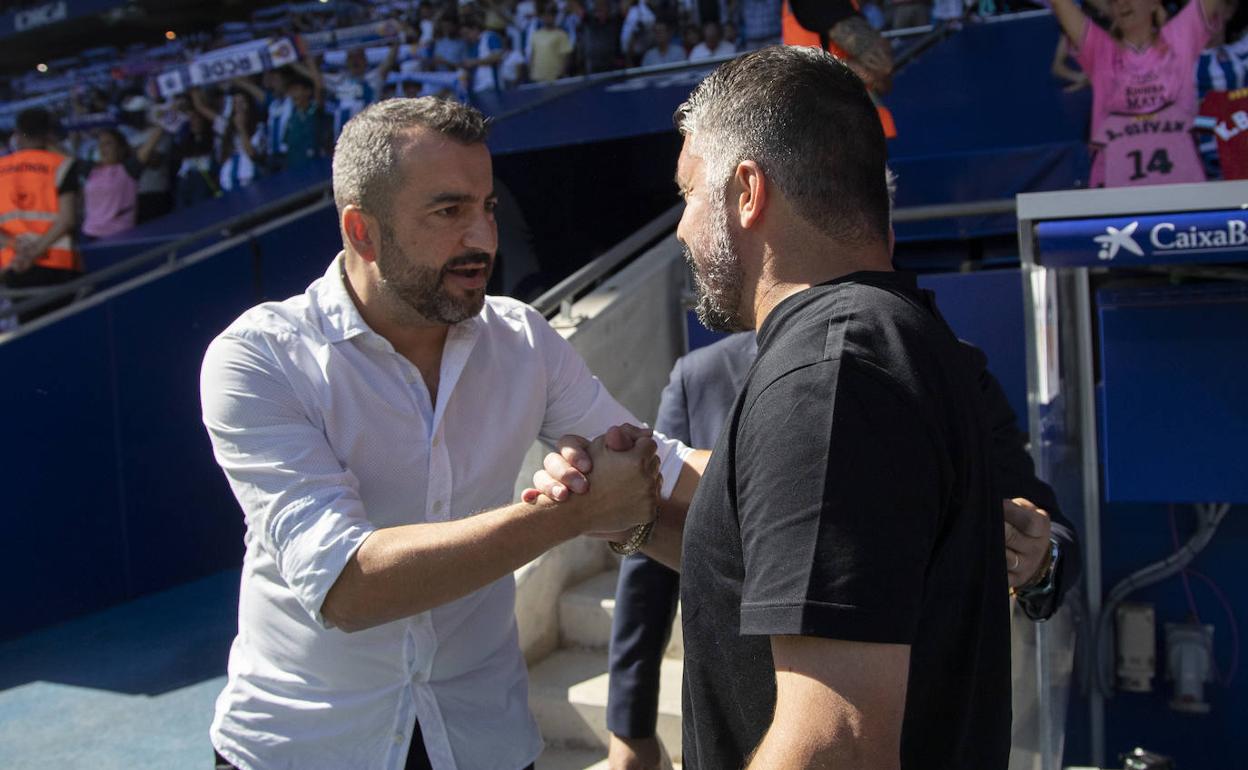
194	155
903	14
1066	69
571	16
713	45
275	96
664	50
949	13
426	24
307	132
514	69
550	49
156	181
484	53
38	208
636	31
1141	74
360	86
448	46
760	23
525	15
598	43
110	188
690	37
846	34
1221	73
243	143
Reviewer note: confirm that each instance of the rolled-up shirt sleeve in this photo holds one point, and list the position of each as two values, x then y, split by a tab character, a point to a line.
300	503
578	403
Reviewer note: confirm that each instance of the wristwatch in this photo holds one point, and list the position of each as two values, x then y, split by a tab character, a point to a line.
1047	583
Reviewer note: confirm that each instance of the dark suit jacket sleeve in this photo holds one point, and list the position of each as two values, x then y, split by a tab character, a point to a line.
1014	475
645	605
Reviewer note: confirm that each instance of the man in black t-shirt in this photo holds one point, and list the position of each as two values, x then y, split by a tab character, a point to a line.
843	584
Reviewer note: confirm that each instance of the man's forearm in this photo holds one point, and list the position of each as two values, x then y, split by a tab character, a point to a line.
62	226
783	749
402	571
667	539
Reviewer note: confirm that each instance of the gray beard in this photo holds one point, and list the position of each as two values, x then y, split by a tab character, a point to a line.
719	281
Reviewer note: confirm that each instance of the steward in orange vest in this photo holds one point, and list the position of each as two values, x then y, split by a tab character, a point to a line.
838	28
37	207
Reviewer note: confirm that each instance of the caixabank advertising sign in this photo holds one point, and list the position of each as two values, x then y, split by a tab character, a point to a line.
1157	239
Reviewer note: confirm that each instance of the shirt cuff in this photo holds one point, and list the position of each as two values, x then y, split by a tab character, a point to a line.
827	620
316	546
672	462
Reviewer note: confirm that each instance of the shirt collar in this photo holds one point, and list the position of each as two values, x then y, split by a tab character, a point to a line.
340	318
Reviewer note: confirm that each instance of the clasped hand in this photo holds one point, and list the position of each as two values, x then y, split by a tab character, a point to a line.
624	466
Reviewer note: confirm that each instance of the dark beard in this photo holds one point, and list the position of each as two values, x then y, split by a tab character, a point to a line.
421	289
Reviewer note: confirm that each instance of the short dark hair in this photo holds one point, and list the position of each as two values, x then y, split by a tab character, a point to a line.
123	145
808	122
295	79
366	157
34	122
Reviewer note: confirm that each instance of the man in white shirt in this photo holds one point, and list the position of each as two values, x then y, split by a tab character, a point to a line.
713	44
358	86
635	32
372	430
485	53
663	52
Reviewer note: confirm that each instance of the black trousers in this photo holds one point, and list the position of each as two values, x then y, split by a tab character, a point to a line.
417	757
645	606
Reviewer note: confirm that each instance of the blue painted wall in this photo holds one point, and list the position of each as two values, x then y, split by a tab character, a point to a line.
113	491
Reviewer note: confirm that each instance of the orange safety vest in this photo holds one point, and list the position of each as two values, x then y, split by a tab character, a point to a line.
793	33
28	205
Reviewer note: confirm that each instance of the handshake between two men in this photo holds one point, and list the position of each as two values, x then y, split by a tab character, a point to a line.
624	468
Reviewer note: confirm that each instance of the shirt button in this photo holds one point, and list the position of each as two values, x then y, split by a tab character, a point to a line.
437	440
437	507
398	738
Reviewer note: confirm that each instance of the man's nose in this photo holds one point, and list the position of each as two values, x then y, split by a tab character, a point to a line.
482	234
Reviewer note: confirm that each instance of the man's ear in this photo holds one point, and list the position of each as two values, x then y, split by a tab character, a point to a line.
751	190
361	231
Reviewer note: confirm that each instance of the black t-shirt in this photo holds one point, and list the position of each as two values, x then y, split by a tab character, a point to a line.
70	182
849	497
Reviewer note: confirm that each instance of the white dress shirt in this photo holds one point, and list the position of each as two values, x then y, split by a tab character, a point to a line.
638	19
702	51
326	434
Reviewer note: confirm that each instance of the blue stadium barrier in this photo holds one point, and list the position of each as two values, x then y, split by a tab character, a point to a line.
265	193
984	308
124	498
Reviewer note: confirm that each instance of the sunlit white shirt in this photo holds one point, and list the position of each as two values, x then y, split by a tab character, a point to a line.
326	434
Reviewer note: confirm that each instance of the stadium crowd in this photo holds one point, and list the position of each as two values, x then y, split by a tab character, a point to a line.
157	128
186	141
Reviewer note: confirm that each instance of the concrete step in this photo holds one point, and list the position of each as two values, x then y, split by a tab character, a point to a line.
575	759
568	695
585	613
571	759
